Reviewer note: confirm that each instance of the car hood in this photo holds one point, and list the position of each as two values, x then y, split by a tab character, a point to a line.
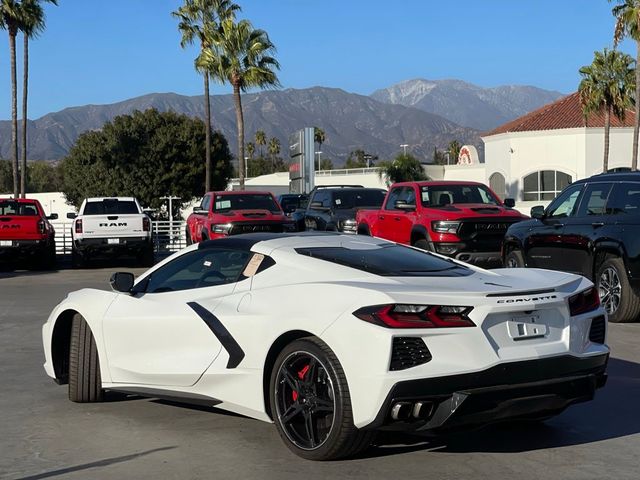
475	210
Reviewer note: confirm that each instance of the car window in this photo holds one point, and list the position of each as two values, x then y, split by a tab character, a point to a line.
565	204
322	196
624	199
200	268
446	194
10	207
348	199
393	197
206	201
110	206
594	200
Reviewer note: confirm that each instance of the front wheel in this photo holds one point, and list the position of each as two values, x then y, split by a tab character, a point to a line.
85	383
514	259
310	403
618	298
422	244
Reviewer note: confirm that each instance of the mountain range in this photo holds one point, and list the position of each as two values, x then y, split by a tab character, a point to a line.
378	124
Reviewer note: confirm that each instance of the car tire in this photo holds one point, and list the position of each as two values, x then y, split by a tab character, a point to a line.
187	237
514	259
618	298
85	383
49	260
307	376
363	229
422	244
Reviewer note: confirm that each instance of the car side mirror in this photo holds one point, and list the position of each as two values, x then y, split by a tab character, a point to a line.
537	212
53	216
509	202
122	282
200	211
71	215
402	205
289	209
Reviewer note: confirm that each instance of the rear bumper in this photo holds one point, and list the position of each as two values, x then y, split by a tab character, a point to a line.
91	245
526	389
24	248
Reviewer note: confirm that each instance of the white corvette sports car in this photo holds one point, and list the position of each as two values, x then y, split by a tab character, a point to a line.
334	337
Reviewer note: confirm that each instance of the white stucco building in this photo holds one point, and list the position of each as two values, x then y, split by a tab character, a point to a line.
535	156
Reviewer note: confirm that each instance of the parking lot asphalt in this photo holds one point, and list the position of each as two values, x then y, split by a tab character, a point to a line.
44	435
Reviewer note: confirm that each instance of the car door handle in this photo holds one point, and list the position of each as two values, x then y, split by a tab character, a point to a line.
597	224
381	217
397	219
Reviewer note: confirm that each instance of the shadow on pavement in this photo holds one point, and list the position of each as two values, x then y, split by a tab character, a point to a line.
612	414
99	463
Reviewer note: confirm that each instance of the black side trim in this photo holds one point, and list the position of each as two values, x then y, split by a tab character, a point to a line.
236	354
522	292
172	396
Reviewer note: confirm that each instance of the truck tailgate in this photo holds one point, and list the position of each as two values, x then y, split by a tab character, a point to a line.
106	226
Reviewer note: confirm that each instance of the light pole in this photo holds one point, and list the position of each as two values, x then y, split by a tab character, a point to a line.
404	146
170	198
246	167
319	153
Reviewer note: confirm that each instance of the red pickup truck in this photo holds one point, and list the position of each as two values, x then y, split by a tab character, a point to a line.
230	213
464	220
25	233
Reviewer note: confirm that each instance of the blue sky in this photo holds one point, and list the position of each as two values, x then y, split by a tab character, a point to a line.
97	51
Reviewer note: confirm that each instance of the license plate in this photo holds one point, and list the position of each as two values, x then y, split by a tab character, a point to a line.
113	241
524	328
6	243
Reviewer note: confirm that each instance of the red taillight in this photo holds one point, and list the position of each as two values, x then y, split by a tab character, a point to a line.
583	302
146	224
416	316
41	226
79	225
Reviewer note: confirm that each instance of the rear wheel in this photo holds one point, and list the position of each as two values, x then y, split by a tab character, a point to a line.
514	259
422	244
187	237
148	259
85	383
618	298
310	403
48	260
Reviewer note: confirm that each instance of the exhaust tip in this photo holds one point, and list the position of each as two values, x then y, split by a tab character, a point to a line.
401	410
422	410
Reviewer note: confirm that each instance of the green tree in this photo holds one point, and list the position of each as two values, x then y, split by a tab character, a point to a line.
6	177
197	19
454	150
32	23
627	14
607	86
261	140
439	158
147	155
274	150
319	136
404	168
10	17
251	149
326	164
356	159
44	177
241	56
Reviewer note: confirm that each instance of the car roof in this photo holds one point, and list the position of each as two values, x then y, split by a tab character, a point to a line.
242	192
612	177
433	183
19	200
100	199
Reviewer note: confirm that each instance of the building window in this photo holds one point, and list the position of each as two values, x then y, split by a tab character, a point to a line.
544	185
498	184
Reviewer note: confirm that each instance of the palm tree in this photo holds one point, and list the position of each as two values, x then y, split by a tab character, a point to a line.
274	151
607	85
11	13
404	168
196	19
261	140
31	25
454	150
627	13
241	55
251	149
319	137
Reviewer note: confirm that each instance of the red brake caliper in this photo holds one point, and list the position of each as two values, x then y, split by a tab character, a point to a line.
301	375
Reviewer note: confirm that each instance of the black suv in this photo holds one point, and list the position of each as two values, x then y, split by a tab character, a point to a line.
593	229
333	207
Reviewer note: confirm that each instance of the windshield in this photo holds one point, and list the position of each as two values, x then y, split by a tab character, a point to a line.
8	207
110	207
259	201
348	199
389	260
441	195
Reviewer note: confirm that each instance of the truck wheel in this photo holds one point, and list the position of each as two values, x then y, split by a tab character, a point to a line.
422	244
363	229
618	298
187	237
148	259
85	384
311	405
48	259
514	259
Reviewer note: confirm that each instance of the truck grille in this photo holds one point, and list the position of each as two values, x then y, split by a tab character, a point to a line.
408	352
484	234
239	228
597	331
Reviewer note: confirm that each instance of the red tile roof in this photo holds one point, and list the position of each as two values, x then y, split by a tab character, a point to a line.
563	113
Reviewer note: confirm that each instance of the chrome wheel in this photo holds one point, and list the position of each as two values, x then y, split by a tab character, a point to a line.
305	400
610	290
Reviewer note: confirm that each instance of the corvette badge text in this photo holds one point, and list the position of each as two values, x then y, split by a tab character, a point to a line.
528	299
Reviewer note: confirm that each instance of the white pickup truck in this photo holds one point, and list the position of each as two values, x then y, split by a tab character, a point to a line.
111	227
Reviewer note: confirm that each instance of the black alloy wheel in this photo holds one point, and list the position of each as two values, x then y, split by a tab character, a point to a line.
305	400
